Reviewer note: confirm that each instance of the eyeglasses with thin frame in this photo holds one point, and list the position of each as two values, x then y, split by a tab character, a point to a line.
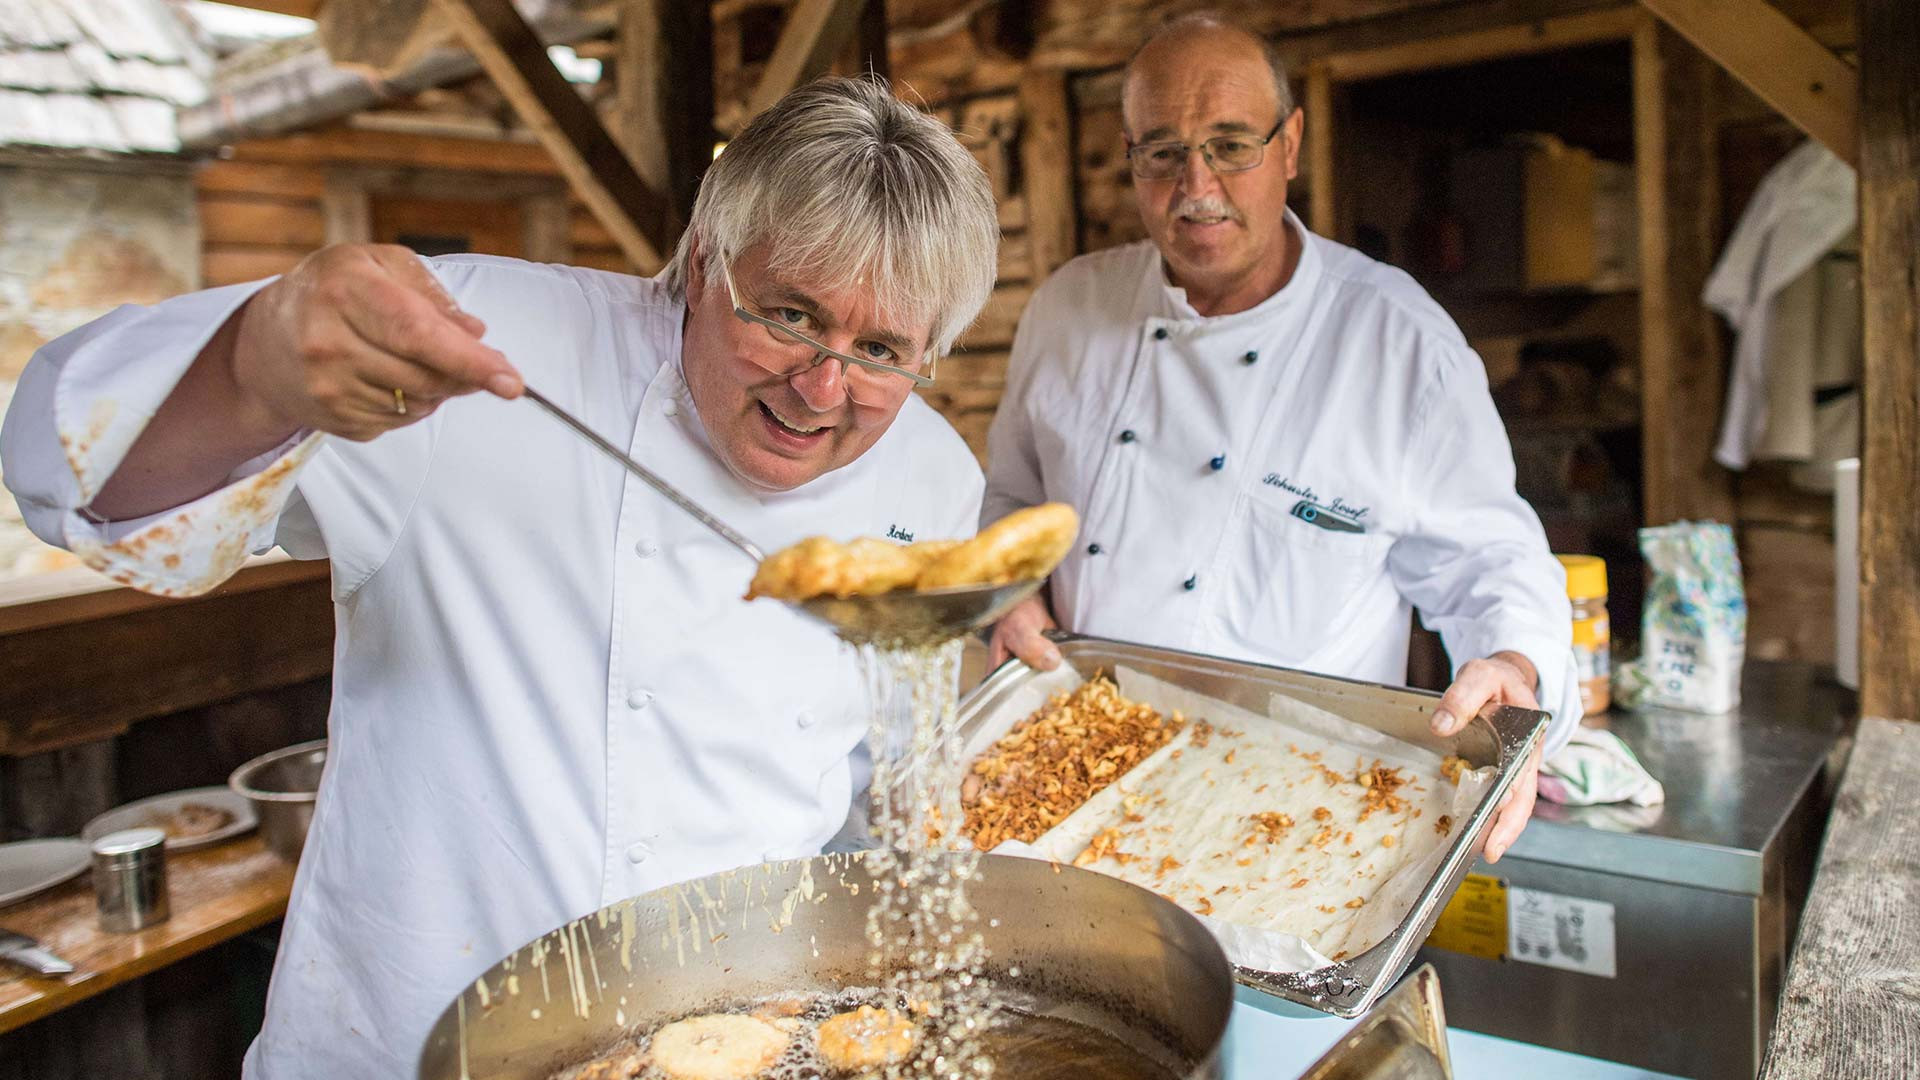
1222	153
870	380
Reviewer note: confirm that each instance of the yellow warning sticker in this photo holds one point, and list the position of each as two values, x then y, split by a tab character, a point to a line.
1475	920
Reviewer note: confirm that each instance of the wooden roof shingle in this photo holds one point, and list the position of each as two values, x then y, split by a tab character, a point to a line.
97	77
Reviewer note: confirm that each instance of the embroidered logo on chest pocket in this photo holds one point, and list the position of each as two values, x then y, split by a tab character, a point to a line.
1336	516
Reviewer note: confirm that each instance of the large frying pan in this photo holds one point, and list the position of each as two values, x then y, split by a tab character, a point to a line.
1088	948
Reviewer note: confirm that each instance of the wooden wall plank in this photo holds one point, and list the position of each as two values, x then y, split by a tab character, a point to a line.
994	329
230	266
260	179
1890	284
227	219
1682	374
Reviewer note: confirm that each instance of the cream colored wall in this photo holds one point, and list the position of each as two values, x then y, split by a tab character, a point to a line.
75	243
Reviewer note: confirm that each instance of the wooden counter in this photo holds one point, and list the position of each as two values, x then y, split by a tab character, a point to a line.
1851	1007
216	894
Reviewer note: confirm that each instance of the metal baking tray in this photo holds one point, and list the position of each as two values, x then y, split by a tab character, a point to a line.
1501	735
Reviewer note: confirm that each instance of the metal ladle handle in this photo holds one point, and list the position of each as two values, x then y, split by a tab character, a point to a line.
724	531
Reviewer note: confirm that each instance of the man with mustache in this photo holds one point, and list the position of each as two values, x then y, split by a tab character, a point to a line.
548	694
1278	446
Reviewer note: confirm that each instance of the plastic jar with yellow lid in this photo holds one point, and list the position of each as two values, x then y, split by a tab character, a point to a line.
1592	635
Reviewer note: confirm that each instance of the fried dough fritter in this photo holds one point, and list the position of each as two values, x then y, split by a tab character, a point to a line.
866	1038
721	1046
1024	545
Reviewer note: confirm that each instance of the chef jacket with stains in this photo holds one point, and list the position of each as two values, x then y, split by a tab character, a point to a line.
1281	485
548	694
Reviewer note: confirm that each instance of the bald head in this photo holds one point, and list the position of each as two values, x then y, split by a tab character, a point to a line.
1212	139
1203	41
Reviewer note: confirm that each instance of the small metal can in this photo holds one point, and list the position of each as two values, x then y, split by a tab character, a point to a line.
130	879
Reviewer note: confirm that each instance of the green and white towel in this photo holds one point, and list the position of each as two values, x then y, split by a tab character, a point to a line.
1597	767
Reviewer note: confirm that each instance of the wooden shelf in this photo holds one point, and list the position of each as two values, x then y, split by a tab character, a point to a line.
216	894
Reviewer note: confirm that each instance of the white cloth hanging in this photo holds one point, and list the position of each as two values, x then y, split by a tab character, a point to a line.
1794	304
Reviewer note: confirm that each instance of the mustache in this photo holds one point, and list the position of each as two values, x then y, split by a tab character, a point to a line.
1205	208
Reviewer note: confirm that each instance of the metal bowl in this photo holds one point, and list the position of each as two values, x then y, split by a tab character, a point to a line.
1087	948
282	787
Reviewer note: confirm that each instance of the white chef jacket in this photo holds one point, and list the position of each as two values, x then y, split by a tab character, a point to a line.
548	693
1281	484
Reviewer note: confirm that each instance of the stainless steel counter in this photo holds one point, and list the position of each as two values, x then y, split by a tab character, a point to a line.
1732	784
1700	897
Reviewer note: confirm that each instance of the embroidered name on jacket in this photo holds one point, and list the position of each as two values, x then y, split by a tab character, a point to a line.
895	532
1337	516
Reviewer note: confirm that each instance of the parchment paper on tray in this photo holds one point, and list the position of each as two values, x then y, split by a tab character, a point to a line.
1297	836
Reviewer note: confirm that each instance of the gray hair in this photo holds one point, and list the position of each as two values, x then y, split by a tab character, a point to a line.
848	185
1213	20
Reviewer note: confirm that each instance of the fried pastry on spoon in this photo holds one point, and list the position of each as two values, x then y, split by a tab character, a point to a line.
1025	544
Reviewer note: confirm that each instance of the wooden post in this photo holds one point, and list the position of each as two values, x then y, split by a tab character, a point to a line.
544	221
513	57
346	210
1320	150
1890	286
665	72
1682	375
1046	171
875	56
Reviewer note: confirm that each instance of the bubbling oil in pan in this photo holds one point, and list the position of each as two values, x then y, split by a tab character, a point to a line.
1024	1045
927	954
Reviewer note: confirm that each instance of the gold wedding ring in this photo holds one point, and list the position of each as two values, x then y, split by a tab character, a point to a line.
399	402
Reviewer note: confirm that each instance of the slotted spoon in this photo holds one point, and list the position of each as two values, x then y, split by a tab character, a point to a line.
905	617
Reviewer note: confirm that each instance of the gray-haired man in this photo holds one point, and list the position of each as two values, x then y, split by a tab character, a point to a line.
548	694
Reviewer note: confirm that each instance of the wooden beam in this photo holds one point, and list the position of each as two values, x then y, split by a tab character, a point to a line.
1786	66
1452	50
380	37
1046	171
516	61
664	66
815	32
343	145
1890	286
1320	150
1682	375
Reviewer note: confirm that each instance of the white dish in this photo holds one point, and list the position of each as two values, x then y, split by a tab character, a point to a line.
151	812
31	866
